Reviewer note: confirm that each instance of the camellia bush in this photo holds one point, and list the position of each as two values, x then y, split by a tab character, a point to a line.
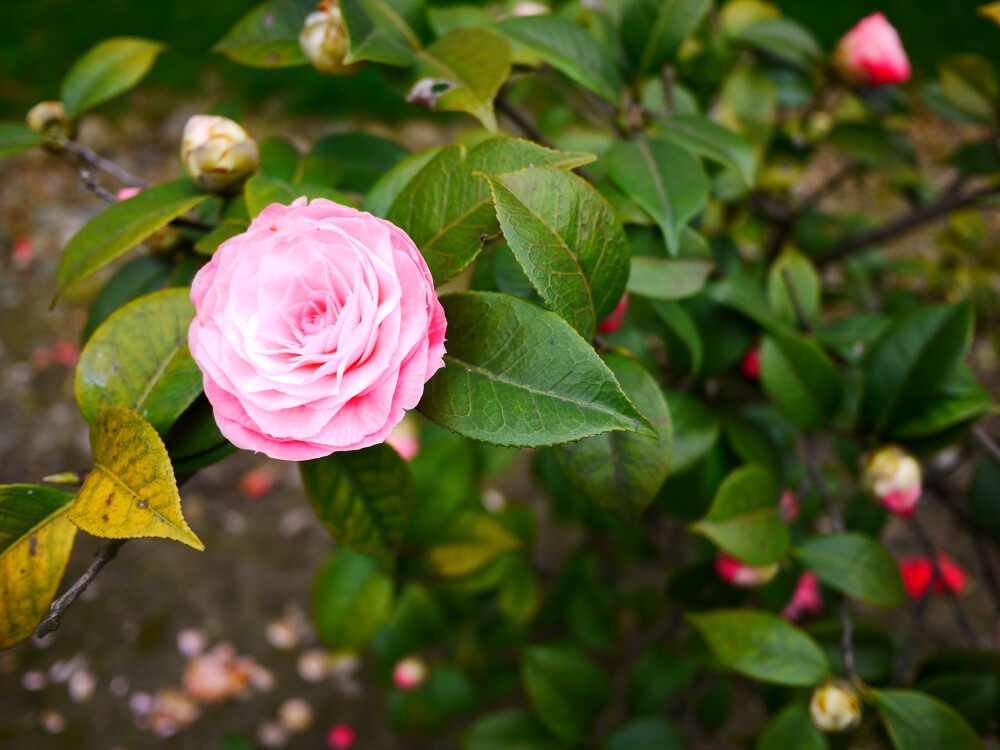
642	278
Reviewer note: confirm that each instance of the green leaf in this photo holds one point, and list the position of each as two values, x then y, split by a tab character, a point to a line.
462	72
872	144
195	441
969	83
351	599
650	733
280	159
570	49
520	593
800	377
908	365
416	622
793	286
226	229
696	430
622	471
683	326
652	30
364	498
518	375
261	191
791	728
15	138
430	707
656	676
763	647
916	721
984	500
134	279
380	197
447	208
708	139
122	226
975	696
667	278
471	542
744	520
359	159
35	542
139	359
131	491
509	730
784	39
855	565
745	296
268	36
664	179
960	401
381	30
106	70
567	239
565	689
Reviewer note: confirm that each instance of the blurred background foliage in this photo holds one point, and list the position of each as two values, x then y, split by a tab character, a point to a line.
39	39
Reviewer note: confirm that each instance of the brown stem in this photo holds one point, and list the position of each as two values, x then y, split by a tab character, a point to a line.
520	119
99	162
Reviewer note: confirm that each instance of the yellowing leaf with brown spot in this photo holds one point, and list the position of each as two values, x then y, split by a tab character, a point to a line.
35	542
132	491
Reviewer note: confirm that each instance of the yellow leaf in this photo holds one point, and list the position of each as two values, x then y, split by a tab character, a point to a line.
131	492
35	542
990	11
475	540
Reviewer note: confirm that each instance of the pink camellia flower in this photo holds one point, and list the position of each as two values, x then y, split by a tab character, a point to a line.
315	330
871	54
737	573
750	364
616	317
806	600
409	673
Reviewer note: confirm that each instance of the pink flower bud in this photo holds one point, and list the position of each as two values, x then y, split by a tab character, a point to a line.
341	737
405	438
918	572
788	506
806	600
737	573
750	365
617	316
128	192
871	54
409	673
893	477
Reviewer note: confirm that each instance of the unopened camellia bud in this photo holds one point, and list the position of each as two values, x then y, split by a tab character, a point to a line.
325	42
893	477
835	707
47	118
218	153
409	673
737	573
871	54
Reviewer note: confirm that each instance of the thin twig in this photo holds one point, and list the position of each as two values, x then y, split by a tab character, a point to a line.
986	440
105	554
847	642
669	80
90	182
520	119
99	162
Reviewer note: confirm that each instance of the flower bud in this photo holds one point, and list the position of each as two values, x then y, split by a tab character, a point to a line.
835	707
871	54
616	317
530	8
47	118
918	572
341	737
409	673
736	573
324	40
750	364
788	506
893	477
806	601
218	153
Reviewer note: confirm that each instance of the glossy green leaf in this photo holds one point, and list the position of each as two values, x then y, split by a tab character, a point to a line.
509	730
106	70
472	541
708	139
195	441
567	239
652	30
855	565
975	696
364	498
668	278
516	374
664	179
696	430
447	208
763	647
351	599
138	277
35	542
279	158
462	72
139	359
565	689
359	159
649	733
915	721
784	39
131	491
656	676
261	191
570	49
381	30
800	377
791	728
683	326
622	471
268	36
15	138
122	226
744	520
387	188
969	83
793	287
744	295
907	366
520	593
960	401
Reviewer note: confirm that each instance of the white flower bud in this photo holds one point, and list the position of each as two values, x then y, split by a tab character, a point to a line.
324	40
217	153
893	477
47	118
835	707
